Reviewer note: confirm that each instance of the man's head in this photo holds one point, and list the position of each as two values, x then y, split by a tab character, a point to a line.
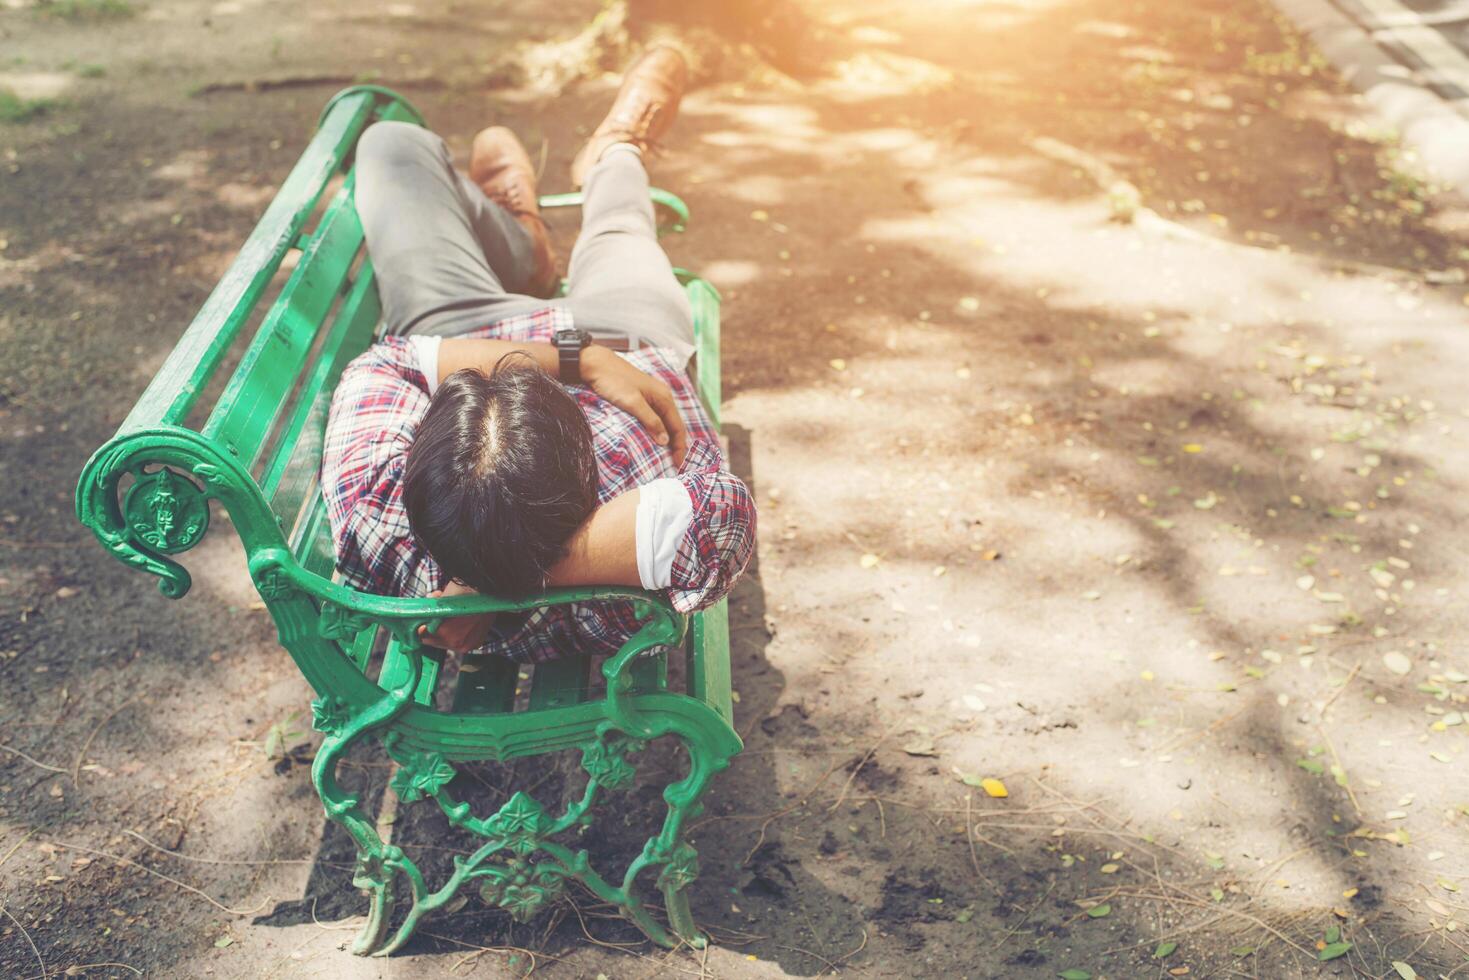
499	477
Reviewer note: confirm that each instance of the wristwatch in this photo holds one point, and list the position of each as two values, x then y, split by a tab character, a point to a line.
569	344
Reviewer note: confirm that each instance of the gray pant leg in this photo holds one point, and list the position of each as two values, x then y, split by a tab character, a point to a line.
447	258
620	281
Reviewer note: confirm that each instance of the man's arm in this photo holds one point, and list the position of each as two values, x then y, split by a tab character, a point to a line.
482	354
719	539
639	394
704	548
602	552
693	536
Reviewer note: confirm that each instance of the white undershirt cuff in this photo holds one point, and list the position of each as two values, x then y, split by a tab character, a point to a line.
663	516
427	351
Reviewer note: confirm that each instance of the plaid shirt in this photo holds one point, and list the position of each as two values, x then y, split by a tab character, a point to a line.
376	409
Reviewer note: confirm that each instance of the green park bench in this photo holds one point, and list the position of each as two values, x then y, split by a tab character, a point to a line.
252	441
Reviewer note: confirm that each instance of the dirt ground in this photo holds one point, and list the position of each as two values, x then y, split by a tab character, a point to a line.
1099	370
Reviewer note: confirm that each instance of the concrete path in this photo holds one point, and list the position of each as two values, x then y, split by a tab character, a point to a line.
1410	59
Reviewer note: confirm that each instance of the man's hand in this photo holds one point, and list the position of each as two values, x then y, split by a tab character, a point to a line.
462	633
644	397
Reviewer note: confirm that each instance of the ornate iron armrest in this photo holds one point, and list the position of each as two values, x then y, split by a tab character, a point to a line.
276	573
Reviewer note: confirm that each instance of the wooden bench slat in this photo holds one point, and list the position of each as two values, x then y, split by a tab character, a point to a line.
257	391
397	111
183	377
705	303
708	665
649	672
486	684
397	669
361	649
560	683
293	470
312	541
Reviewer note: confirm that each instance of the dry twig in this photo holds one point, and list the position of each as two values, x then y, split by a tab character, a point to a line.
1337	693
1336	760
35	762
830	966
1226	910
78	969
969	836
841	797
34	949
158	874
482	950
16	846
418	80
620	947
1026	918
772	817
76	766
847	956
204	860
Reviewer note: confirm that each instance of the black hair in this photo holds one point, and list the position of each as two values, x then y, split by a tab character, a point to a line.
500	475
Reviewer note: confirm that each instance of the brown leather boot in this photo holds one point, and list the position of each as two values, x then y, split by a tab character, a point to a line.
500	166
645	108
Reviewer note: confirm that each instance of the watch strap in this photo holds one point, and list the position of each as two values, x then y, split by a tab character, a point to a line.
570	363
569	345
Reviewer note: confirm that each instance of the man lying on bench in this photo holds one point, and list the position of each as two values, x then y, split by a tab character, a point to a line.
494	442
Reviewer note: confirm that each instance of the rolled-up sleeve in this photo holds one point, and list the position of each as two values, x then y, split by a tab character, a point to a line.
720	537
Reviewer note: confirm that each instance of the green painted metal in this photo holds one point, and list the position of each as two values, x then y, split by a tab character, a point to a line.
392	105
486	685
255	394
574	199
708	662
145	494
292	472
559	683
180	382
361	649
704	299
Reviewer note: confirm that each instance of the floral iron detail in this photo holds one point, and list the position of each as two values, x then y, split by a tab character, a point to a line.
421	774
521	822
607	763
339	623
329	715
274	585
681	870
167	512
520	888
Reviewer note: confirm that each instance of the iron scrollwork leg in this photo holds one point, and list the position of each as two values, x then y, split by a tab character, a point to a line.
678	859
535	866
378	864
